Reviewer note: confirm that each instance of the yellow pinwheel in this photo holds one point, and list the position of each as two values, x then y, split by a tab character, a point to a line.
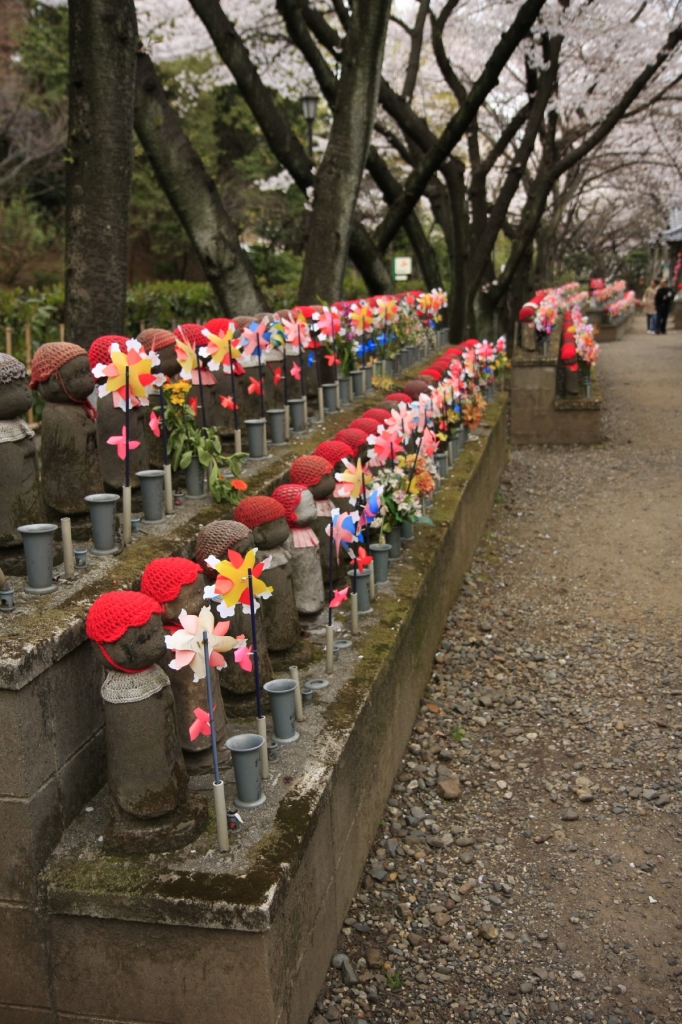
222	349
352	482
139	364
232	585
187	357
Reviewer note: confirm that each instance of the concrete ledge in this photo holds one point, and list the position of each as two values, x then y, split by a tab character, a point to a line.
151	939
610	330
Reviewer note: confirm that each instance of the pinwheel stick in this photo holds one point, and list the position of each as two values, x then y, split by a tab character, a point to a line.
416	457
127	496
256	670
260	381
234	393
201	388
300	363
218	784
127	423
167	471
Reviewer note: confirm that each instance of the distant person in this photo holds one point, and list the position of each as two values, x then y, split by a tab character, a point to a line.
664	298
649	306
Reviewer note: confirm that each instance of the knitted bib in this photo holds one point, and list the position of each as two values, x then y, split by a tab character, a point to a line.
308	470
51	357
334	450
164	578
260	509
155	338
127	688
215	539
353	438
100	350
289	495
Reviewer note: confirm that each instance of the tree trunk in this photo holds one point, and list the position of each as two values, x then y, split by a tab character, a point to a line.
99	165
338	179
192	194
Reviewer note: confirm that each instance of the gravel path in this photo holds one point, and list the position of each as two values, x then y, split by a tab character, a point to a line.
528	865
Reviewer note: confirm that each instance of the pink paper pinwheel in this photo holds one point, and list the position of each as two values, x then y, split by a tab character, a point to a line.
155	424
363	559
327	323
429	444
120	442
255	387
228	402
242	656
295	371
332	359
254	338
201	726
188	642
401	420
339	597
385	445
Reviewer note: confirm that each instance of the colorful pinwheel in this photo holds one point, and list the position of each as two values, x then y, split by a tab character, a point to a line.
141	380
188	642
232	585
352	481
122	443
223	350
342	529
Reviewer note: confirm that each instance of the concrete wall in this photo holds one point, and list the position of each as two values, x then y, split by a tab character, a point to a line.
156	971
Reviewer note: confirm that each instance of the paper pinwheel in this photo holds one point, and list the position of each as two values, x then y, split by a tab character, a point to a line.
361	318
386	309
295	371
232	585
429	445
276	374
155	424
327	323
223	350
120	442
332	359
339	597
352	481
188	642
255	387
242	656
201	726
401	420
140	377
385	444
228	402
372	506
342	529
363	559
186	355
296	331
256	338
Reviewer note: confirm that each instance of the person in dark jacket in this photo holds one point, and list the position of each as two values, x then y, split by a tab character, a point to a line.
664	298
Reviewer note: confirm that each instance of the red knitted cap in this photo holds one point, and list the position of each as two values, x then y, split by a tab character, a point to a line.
374	414
191	333
214	539
353	438
258	510
218	325
112	613
155	338
398	396
289	495
334	450
308	470
366	424
100	349
164	578
431	372
51	357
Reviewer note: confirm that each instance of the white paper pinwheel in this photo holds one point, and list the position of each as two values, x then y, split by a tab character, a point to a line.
188	642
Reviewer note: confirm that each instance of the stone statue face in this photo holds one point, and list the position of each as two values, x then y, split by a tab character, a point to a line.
272	534
191	598
325	487
139	647
15	399
76	382
306	510
168	361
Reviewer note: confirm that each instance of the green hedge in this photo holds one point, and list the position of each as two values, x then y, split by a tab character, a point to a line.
157	304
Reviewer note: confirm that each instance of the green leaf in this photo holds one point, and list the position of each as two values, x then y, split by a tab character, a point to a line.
185	460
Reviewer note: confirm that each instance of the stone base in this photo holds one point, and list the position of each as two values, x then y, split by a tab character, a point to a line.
128	835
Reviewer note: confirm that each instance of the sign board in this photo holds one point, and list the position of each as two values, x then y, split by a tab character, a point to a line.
402	268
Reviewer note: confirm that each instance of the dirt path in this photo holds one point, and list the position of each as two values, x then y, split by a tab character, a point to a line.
549	889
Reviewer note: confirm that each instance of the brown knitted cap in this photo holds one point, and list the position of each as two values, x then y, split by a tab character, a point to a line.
155	338
214	539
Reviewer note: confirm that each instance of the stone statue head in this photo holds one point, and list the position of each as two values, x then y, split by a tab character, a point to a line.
127	630
61	372
15	394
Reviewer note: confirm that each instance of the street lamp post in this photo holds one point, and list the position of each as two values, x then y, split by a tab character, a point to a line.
309	104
